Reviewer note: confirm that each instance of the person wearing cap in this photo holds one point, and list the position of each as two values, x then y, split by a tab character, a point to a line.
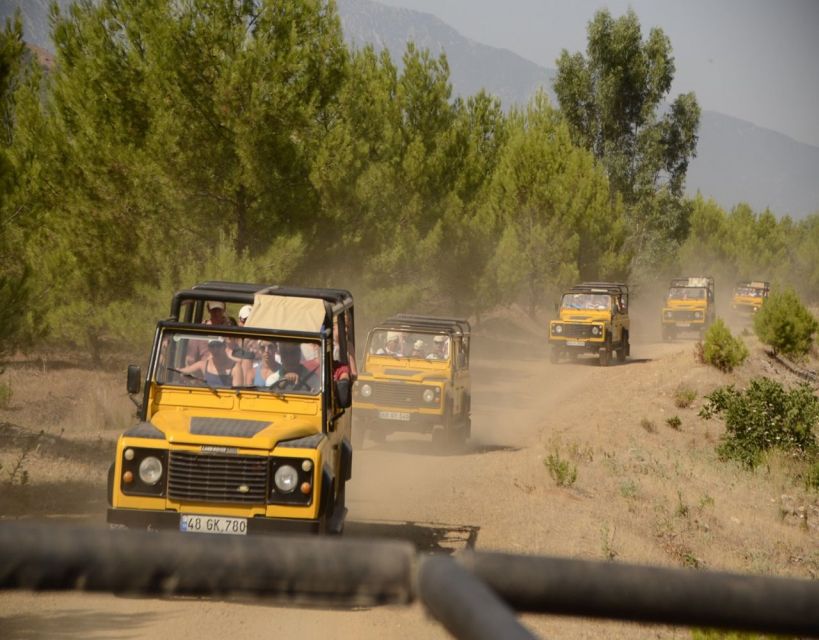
440	349
249	354
393	345
244	314
216	316
418	349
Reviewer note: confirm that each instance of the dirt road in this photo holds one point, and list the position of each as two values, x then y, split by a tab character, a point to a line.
645	492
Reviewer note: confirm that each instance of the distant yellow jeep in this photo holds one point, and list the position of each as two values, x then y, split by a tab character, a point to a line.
415	378
750	296
689	306
593	318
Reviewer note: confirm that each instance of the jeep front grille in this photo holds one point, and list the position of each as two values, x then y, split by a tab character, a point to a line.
397	394
578	331
217	478
684	315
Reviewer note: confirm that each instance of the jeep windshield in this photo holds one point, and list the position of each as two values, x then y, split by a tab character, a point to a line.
587	301
686	293
408	344
751	292
221	361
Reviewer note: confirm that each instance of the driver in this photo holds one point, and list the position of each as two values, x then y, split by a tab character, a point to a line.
292	368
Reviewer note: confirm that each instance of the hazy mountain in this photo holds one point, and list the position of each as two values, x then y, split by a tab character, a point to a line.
736	160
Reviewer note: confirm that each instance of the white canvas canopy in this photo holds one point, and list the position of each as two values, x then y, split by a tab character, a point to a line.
287	313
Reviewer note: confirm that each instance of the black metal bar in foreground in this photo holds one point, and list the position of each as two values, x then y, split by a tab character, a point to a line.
296	568
650	594
463	604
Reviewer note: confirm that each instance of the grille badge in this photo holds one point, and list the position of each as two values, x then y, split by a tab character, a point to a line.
208	448
243	488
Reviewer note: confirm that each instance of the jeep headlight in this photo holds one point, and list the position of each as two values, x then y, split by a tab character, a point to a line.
286	478
595	331
429	395
698	315
150	470
558	328
366	391
668	314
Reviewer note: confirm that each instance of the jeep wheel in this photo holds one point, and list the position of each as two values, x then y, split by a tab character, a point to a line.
358	435
605	356
554	355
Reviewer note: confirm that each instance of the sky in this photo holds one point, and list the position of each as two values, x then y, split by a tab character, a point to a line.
757	60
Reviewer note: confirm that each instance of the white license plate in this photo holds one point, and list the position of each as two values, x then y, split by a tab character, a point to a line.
394	415
575	343
683	324
192	523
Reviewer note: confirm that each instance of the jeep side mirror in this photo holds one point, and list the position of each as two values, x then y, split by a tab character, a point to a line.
134	379
343	393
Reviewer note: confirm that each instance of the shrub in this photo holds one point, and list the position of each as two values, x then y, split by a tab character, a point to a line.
648	425
785	324
721	349
562	471
674	422
683	397
765	416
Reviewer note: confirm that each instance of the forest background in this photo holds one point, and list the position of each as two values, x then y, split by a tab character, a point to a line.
170	143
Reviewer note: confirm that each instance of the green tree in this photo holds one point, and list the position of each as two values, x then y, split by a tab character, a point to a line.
786	325
551	208
611	98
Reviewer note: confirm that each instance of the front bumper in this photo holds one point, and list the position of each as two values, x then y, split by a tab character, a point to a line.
399	419
169	520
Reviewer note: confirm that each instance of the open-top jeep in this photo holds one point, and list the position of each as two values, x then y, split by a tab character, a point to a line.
750	296
592	318
255	434
689	306
415	378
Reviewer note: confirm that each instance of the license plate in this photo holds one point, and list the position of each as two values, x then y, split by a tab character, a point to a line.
683	324
191	523
394	415
575	343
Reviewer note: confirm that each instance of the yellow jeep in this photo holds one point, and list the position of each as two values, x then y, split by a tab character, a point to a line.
592	318
689	306
415	378
255	435
750	296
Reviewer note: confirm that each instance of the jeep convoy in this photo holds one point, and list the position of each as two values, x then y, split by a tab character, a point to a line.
592	318
689	306
253	436
415	378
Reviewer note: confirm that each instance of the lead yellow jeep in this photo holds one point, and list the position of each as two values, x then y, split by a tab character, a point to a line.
592	318
750	296
415	378
241	429
689	306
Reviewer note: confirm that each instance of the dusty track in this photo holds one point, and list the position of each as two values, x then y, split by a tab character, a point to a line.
641	496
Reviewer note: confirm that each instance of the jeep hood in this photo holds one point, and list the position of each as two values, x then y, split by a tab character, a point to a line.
232	430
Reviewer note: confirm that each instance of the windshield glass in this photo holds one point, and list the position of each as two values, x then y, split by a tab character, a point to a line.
686	293
220	361
409	344
752	292
588	301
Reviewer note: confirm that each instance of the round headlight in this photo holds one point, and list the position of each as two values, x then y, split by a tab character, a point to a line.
558	328
429	395
150	470
286	478
366	391
698	314
667	314
595	331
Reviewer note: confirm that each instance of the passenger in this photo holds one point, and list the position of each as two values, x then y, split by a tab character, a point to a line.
267	371
216	369
418	349
392	346
249	350
440	349
216	317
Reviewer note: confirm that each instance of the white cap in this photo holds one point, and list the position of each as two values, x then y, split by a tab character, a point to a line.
244	312
216	305
419	344
439	339
392	335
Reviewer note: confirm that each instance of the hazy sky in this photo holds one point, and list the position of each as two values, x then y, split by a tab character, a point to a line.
757	60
